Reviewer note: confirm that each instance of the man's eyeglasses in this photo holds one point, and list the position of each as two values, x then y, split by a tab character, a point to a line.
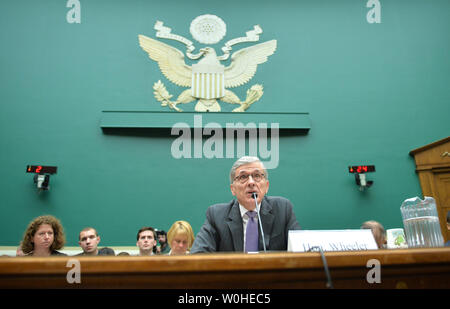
256	176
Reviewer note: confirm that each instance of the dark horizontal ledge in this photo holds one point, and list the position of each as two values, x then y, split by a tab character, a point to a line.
163	120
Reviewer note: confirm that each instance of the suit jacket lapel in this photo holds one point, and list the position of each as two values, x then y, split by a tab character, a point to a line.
267	219
234	222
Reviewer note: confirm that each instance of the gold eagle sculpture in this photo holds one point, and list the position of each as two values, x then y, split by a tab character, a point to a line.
208	79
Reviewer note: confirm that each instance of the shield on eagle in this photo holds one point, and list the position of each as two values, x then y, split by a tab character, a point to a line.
208	82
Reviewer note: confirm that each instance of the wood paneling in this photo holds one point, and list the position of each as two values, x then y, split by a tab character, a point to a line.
411	268
433	168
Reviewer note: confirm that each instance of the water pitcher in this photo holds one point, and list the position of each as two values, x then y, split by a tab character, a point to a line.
421	223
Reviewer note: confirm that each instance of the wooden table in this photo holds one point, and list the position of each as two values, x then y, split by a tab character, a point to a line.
406	268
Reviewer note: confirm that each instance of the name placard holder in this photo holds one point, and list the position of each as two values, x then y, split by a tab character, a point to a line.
331	240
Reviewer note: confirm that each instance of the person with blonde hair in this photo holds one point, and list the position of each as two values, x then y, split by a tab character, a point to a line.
180	237
43	237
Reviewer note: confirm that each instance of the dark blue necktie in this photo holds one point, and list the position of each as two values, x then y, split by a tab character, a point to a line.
251	240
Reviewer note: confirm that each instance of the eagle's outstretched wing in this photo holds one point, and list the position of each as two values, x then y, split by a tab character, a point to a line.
170	60
244	62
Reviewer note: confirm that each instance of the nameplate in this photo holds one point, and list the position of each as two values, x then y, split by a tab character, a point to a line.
331	240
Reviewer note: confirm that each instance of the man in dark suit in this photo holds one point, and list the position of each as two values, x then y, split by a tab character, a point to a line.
226	225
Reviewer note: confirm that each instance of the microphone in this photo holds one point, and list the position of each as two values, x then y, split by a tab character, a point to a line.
255	195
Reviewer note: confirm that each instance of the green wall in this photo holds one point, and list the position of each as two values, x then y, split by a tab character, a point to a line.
373	91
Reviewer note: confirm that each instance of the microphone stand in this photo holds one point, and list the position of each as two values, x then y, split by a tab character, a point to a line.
259	221
329	283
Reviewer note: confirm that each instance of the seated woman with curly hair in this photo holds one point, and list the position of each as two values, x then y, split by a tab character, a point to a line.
43	237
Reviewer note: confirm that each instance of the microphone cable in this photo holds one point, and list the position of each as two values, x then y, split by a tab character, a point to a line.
329	283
